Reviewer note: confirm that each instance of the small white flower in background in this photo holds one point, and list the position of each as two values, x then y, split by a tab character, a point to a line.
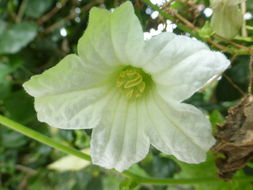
130	91
227	18
70	163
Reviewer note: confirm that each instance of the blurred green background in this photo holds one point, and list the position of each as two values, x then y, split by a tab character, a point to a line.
34	36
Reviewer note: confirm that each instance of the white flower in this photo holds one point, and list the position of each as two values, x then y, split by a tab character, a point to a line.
130	91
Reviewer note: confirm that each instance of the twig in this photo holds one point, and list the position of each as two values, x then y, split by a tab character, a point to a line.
51	13
234	85
243	10
250	50
25	169
194	28
251	75
181	18
52	27
21	11
187	26
71	16
167	4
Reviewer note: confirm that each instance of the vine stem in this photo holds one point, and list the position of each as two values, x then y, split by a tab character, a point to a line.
41	138
136	178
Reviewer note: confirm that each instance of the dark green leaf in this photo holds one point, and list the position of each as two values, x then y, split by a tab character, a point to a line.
35	8
16	37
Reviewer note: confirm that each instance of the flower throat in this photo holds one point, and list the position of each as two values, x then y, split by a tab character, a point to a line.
133	82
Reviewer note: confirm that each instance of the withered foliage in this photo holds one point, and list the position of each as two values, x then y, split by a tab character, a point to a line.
235	139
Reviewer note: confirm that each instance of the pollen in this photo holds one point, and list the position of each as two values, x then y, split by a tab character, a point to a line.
132	82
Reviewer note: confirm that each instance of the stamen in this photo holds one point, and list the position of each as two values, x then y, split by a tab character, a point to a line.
132	83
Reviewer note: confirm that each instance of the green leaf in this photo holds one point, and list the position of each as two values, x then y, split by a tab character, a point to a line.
136	169
206	31
5	82
15	37
95	184
13	139
208	169
36	8
4	71
20	107
127	184
2	26
216	117
5	89
111	182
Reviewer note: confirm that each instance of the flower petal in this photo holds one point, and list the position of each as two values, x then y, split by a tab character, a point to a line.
112	38
179	129
182	80
167	50
73	110
70	74
66	95
120	141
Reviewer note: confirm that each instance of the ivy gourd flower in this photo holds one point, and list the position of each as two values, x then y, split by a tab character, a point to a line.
227	18
130	91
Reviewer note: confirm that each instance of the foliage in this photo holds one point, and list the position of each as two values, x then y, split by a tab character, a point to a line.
36	34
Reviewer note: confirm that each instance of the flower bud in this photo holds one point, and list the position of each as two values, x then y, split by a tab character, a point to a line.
227	18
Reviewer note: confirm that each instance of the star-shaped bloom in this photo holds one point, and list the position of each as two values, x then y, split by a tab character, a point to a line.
130	91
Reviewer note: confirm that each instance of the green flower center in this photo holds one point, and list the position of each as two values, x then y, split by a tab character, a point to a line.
133	82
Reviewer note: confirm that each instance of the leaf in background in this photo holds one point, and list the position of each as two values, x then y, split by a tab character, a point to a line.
2	26
20	107
111	182
136	169
17	36
206	31
12	139
95	184
4	71
216	118
208	169
239	75
35	8
5	82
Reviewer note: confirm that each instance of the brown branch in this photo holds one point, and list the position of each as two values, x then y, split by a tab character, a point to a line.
25	169
251	75
191	26
187	23
51	13
234	85
250	50
243	10
71	16
21	11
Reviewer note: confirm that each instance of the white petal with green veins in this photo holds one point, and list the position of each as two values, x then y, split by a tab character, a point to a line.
120	139
112	38
178	129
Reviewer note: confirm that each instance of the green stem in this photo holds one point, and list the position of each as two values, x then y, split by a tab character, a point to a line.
154	181
41	138
138	179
